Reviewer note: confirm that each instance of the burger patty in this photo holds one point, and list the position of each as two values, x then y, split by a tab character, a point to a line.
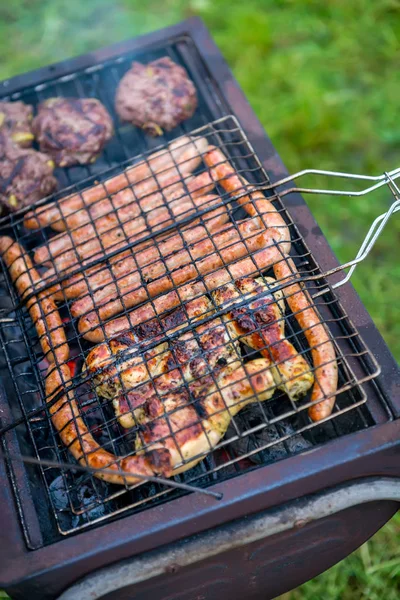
16	122
72	130
156	96
25	175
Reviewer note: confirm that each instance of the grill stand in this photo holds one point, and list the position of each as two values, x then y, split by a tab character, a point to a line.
122	579
45	572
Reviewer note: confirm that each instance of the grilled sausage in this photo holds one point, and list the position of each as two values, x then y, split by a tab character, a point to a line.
202	257
128	232
110	212
83	447
255	204
179	153
91	329
108	278
144	314
143	195
122	207
133	231
318	338
127	261
135	292
67	240
77	284
42	308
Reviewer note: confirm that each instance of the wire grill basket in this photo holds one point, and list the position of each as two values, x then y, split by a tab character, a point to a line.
164	257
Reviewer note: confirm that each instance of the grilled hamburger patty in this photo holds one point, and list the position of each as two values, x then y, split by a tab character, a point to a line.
25	175
156	96
72	130
16	122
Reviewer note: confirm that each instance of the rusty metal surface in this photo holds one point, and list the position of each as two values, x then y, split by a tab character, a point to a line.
57	566
270	567
44	573
112	581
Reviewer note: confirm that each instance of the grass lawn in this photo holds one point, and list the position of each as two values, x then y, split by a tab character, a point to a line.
323	78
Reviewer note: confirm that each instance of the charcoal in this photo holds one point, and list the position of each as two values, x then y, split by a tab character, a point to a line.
83	495
59	496
268	435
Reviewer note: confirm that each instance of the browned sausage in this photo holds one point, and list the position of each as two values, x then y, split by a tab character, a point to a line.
122	207
80	442
109	212
117	202
218	256
102	276
89	326
185	153
255	204
318	338
142	194
213	222
67	240
42	308
131	231
201	258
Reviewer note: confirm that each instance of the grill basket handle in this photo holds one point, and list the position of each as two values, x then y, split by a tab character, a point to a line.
377	227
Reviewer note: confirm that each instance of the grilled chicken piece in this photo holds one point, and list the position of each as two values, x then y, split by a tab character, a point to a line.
187	434
196	387
193	361
168	367
260	324
120	364
165	368
191	422
183	393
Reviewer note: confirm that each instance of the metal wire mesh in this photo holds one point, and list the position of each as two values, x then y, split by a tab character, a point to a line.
180	357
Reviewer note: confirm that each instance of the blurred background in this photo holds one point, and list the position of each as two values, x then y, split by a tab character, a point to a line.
323	77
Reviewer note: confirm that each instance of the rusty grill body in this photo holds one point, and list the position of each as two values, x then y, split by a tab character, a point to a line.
264	460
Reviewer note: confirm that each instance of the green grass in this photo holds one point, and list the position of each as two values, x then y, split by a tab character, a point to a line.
323	77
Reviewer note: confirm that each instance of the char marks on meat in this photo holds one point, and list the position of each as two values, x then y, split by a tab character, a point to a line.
73	130
16	122
26	175
156	97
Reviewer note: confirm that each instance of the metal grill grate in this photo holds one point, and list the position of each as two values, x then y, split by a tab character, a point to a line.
264	431
100	81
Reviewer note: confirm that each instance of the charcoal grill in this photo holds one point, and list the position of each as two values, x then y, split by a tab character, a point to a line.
296	496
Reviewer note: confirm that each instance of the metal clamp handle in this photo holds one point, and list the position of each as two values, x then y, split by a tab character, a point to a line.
377	227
